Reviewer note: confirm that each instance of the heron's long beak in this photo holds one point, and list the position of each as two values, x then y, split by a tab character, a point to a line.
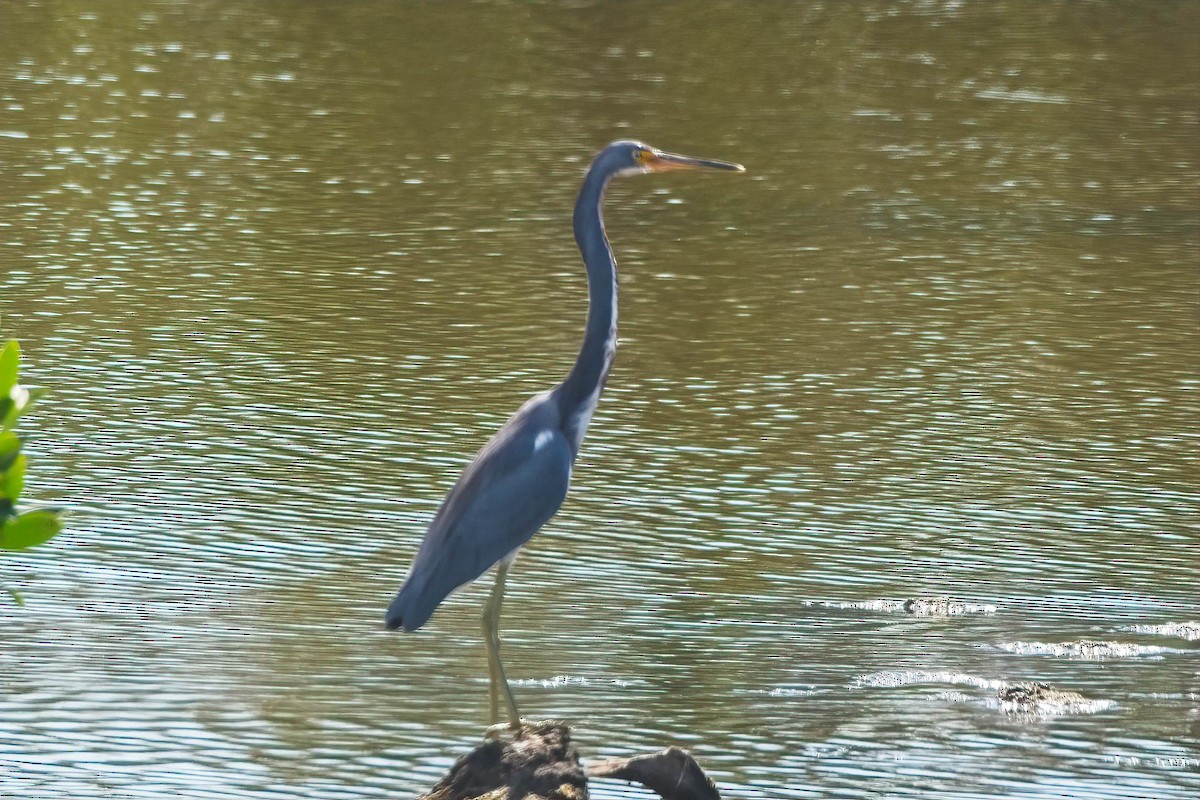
666	162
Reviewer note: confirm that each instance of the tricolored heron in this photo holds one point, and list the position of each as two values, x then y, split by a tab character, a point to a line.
520	477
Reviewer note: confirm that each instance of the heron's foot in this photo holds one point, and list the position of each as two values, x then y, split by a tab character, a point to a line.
502	729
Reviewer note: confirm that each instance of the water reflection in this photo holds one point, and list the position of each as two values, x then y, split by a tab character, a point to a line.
286	267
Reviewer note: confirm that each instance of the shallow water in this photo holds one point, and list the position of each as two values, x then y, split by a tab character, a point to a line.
286	266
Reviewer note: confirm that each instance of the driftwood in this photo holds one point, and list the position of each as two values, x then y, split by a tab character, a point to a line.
539	762
673	773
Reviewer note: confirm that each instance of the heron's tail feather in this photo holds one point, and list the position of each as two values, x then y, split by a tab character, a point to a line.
413	605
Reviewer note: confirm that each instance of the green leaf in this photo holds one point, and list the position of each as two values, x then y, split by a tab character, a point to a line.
17	404
12	480
17	597
10	448
30	529
10	360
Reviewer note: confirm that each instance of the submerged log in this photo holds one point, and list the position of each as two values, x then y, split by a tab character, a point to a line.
673	773
540	762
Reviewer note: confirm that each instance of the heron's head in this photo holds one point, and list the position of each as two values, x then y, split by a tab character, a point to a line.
627	157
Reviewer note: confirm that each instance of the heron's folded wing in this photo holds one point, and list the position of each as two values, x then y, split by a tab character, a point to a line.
514	485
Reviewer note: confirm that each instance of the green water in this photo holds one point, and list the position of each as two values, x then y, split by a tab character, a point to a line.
286	266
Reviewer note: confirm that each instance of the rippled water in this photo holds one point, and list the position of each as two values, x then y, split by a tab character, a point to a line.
285	267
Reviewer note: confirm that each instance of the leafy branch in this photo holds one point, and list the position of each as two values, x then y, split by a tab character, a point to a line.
18	531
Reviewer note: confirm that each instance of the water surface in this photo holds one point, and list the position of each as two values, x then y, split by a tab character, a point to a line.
286	266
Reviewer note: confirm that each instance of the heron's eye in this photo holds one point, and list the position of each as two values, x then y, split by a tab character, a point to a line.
641	155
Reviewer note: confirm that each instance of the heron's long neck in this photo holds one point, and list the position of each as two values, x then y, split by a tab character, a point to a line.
581	388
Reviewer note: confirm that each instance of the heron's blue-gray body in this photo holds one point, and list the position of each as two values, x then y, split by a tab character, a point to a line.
520	478
515	484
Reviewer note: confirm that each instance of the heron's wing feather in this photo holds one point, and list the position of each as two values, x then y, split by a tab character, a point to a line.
516	483
500	501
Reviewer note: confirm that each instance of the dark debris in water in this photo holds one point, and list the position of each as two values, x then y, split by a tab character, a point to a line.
1042	699
1185	630
933	606
1020	699
1086	649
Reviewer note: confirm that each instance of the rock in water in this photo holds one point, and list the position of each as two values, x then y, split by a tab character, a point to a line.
1045	700
536	761
539	762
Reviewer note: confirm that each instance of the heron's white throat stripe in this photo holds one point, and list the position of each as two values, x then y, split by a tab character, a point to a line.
583	417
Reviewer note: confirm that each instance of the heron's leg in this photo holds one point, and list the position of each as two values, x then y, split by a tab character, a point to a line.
491	637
